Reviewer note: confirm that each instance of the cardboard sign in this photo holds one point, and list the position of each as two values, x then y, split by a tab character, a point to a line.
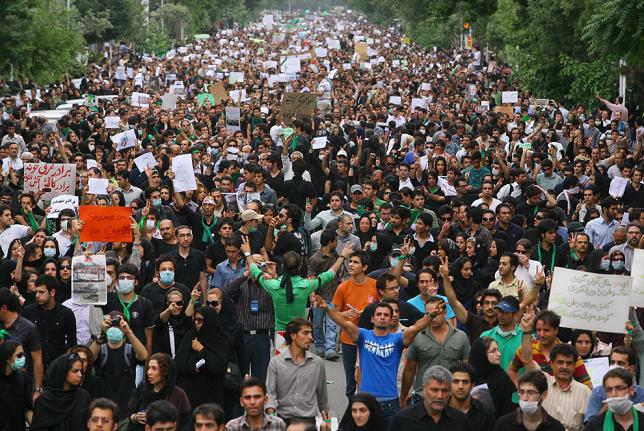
106	224
298	105
56	178
361	49
218	91
637	274
89	286
508	110
584	300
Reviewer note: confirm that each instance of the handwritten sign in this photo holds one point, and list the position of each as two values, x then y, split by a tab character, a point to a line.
235	77
60	203
56	178
112	122
618	186
298	105
596	368
184	173
585	300
637	274
106	224
89	286
125	140
319	143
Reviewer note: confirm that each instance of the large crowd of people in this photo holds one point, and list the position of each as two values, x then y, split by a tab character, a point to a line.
408	226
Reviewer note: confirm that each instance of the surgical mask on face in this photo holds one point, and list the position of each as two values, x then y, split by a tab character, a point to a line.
19	363
91	147
166	277
156	202
64	224
108	279
604	265
114	335
252	229
125	286
529	407
373	246
573	191
496	171
393	262
618	265
619	405
321	157
49	252
150	224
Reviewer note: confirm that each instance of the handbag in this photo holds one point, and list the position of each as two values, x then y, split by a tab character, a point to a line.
232	376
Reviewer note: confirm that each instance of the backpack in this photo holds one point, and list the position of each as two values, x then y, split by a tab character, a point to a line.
127	355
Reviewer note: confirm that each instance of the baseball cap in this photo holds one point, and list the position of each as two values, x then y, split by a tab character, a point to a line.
248	215
342	153
356	189
575	227
208	200
509	304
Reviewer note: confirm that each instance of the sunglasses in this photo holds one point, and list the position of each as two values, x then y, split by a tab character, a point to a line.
212	303
446	218
65	267
178	303
521	252
488	219
199	319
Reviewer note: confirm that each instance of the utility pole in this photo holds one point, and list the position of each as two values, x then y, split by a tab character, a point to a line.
622	80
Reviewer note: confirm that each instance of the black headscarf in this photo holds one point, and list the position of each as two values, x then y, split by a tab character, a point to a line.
499	383
228	315
595	261
465	288
65	409
376	420
216	346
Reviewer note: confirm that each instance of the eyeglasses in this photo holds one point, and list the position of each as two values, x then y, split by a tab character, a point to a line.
199	319
177	303
212	303
65	267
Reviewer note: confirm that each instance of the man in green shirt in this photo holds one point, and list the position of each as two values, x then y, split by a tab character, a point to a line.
507	333
289	291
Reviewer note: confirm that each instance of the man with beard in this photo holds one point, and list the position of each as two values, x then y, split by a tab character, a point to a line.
633	236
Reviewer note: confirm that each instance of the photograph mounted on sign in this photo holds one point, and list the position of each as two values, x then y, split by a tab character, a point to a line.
298	106
233	118
89	286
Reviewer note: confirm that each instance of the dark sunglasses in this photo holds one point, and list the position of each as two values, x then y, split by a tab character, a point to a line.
178	303
488	219
65	267
212	303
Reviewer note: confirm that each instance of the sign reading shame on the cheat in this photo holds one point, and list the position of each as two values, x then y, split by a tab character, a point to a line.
106	224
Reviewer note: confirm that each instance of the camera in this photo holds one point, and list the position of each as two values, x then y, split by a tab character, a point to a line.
116	320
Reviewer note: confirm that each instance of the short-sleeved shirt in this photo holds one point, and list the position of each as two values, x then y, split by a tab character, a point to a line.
353	296
418	302
27	333
379	360
567	405
141	314
426	351
189	269
580	373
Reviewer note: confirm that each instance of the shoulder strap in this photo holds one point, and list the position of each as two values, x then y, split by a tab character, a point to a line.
127	355
104	353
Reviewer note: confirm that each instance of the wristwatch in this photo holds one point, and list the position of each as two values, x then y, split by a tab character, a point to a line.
247	253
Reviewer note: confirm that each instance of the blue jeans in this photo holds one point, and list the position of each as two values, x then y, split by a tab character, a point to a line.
349	357
258	349
324	343
390	408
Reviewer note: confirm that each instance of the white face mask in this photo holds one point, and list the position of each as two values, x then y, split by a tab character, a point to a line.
619	405
529	407
496	171
150	224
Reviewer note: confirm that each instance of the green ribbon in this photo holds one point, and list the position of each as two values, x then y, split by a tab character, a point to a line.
3	333
206	237
126	307
32	222
609	423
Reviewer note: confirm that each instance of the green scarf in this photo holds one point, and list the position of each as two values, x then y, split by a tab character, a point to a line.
126	307
32	222
206	237
3	333
609	423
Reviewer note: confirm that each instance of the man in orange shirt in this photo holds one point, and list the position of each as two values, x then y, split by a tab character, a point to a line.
351	298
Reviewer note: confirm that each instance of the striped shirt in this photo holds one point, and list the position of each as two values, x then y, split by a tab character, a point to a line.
580	373
271	423
568	406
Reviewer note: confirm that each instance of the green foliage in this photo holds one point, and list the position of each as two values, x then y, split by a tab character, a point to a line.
37	39
157	41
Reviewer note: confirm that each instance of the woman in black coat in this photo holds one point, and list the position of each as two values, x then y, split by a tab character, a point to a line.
15	388
485	359
202	358
363	414
63	404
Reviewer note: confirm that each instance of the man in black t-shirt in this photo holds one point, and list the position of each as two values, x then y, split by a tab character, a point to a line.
157	291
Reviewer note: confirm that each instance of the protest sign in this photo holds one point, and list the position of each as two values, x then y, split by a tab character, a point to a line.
321	52
169	101
395	100
291	65
120	73
508	110
418	102
112	122
145	160
509	96
233	117
91	163
89	285
60	203
54	178
142	100
319	143
361	50
596	368
184	174
125	140
425	86
298	105
106	224
235	77
238	96
637	274
585	300
98	186
178	88
333	44
218	91
204	98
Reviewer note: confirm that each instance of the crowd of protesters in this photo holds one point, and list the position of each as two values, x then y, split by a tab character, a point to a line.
416	244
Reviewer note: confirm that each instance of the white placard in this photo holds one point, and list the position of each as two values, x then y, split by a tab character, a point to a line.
418	102
319	143
270	64
89	280
617	187
233	118
509	96
584	300
112	122
120	73
124	140
346	66
184	174
142	100
145	160
637	274
169	101
91	163
238	96
98	186
291	65
395	100
178	88
321	52
235	77
596	368
60	203
333	44
425	86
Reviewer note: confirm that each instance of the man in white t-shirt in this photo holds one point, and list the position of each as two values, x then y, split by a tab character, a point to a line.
10	231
